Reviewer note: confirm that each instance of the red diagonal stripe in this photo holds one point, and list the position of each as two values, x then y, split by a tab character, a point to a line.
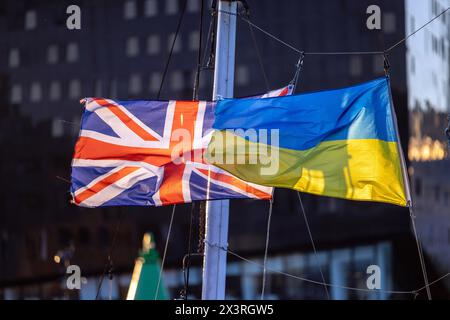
237	183
127	120
102	184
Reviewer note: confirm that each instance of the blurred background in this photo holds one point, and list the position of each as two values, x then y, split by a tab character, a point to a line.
120	52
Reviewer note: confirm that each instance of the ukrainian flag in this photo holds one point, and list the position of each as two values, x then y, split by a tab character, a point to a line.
339	143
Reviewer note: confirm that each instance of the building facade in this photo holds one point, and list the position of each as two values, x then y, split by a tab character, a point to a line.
119	52
428	63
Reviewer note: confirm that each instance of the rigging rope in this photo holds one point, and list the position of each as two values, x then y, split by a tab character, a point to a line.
299	68
336	52
199	54
269	219
108	269
420	251
313	244
410	292
169	57
258	53
188	264
165	251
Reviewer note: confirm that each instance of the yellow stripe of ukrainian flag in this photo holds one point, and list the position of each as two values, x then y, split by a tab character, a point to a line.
356	169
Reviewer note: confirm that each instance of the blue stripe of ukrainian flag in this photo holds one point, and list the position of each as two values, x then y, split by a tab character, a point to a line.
338	143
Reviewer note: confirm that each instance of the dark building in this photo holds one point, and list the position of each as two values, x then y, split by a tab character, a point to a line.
120	51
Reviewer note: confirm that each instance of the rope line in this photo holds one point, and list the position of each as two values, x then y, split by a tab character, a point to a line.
108	269
169	57
258	55
286	44
420	251
269	220
188	265
199	55
423	26
165	252
313	244
410	292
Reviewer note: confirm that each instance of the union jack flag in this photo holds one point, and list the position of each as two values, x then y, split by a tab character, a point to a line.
125	155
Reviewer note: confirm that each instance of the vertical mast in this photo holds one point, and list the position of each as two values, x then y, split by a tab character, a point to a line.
216	238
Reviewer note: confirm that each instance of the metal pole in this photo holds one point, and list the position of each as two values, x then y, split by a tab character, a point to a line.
216	238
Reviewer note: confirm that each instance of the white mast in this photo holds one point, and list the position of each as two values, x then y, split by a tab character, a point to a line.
216	238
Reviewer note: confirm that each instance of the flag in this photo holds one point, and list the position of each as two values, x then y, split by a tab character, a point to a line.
150	153
339	143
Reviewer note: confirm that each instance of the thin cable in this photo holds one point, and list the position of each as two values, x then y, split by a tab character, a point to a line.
267	33
109	265
269	219
169	57
411	292
298	70
165	251
258	55
318	282
344	53
337	52
313	244
199	55
420	251
186	279
410	35
208	38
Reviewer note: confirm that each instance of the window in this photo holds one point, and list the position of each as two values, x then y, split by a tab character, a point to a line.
378	64
356	66
129	10
437	193
135	84
16	94
57	128
74	89
177	81
193	5
193	40
171	6
30	20
132	46
35	92
434	43
150	8
389	23
14	58
52	54
177	46
242	75
155	81
72	52
418	187
413	65
98	88
153	44
55	91
433	7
